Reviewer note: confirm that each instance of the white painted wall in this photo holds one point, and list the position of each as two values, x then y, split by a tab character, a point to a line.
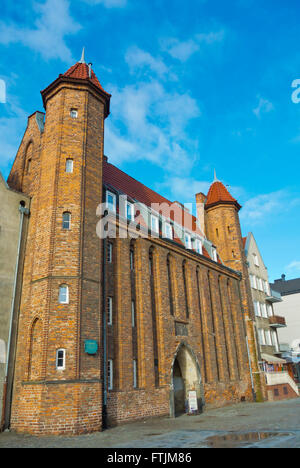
290	309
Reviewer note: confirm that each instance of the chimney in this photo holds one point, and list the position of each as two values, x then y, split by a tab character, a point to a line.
200	201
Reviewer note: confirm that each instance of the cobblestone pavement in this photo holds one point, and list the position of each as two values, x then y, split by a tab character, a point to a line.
271	424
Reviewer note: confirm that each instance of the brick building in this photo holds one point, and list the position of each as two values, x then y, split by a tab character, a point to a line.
123	327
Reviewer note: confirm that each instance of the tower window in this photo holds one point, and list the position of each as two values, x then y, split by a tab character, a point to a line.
66	220
134	373
133	314
109	252
63	294
60	359
69	166
29	166
74	113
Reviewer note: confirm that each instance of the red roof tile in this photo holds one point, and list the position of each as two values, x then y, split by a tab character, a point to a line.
81	71
139	192
218	193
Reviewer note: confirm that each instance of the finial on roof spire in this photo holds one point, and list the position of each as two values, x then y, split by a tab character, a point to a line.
82	60
215	176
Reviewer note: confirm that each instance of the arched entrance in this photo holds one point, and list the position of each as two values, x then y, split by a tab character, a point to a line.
185	378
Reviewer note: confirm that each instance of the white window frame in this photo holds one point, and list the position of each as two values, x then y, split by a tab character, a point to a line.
69	165
62	367
109	254
257	309
198	246
261	336
275	340
260	285
270	310
264	311
268	337
214	254
110	374
74	113
134	373
111	207
168	231
131	209
187	241
109	310
67	297
255	260
154	220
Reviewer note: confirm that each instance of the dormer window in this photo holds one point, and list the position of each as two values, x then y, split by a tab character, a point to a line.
198	246
111	201
168	231
154	224
214	254
130	211
74	113
187	241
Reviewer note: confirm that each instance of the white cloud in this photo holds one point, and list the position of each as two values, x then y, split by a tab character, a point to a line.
293	266
139	59
183	189
264	107
149	123
108	3
52	24
258	209
183	50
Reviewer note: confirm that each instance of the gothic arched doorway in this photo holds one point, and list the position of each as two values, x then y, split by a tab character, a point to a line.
185	378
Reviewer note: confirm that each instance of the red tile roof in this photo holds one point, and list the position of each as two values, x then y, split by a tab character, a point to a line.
217	194
81	71
139	192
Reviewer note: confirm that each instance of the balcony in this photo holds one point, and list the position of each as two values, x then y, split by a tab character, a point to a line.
277	322
274	296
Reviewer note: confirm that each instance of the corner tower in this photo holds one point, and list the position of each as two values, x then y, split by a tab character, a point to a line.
57	384
222	226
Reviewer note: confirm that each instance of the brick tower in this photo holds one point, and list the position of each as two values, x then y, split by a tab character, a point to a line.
59	164
222	225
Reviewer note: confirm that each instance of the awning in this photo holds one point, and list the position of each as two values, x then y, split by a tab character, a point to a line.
273	359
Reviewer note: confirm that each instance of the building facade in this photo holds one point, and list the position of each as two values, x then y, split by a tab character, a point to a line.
13	227
278	373
134	322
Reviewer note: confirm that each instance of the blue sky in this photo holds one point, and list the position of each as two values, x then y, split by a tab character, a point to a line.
196	86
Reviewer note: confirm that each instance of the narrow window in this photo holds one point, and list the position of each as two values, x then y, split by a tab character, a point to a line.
109	252
217	232
154	312
255	260
198	246
66	221
184	272
63	294
168	231
60	359
110	371
131	259
170	285
109	311
69	166
74	113
134	373
214	254
29	166
133	314
130	211
111	201
154	224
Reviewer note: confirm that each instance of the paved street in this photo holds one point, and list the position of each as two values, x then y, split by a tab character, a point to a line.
275	425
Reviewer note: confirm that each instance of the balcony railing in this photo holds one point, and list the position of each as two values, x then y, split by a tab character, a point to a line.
274	296
277	321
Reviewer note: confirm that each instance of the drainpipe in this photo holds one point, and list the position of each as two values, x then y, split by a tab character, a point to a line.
24	212
104	385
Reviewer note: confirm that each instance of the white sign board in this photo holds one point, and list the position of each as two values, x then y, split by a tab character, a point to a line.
193	403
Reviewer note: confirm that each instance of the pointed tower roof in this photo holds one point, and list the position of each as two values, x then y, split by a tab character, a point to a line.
80	73
218	194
